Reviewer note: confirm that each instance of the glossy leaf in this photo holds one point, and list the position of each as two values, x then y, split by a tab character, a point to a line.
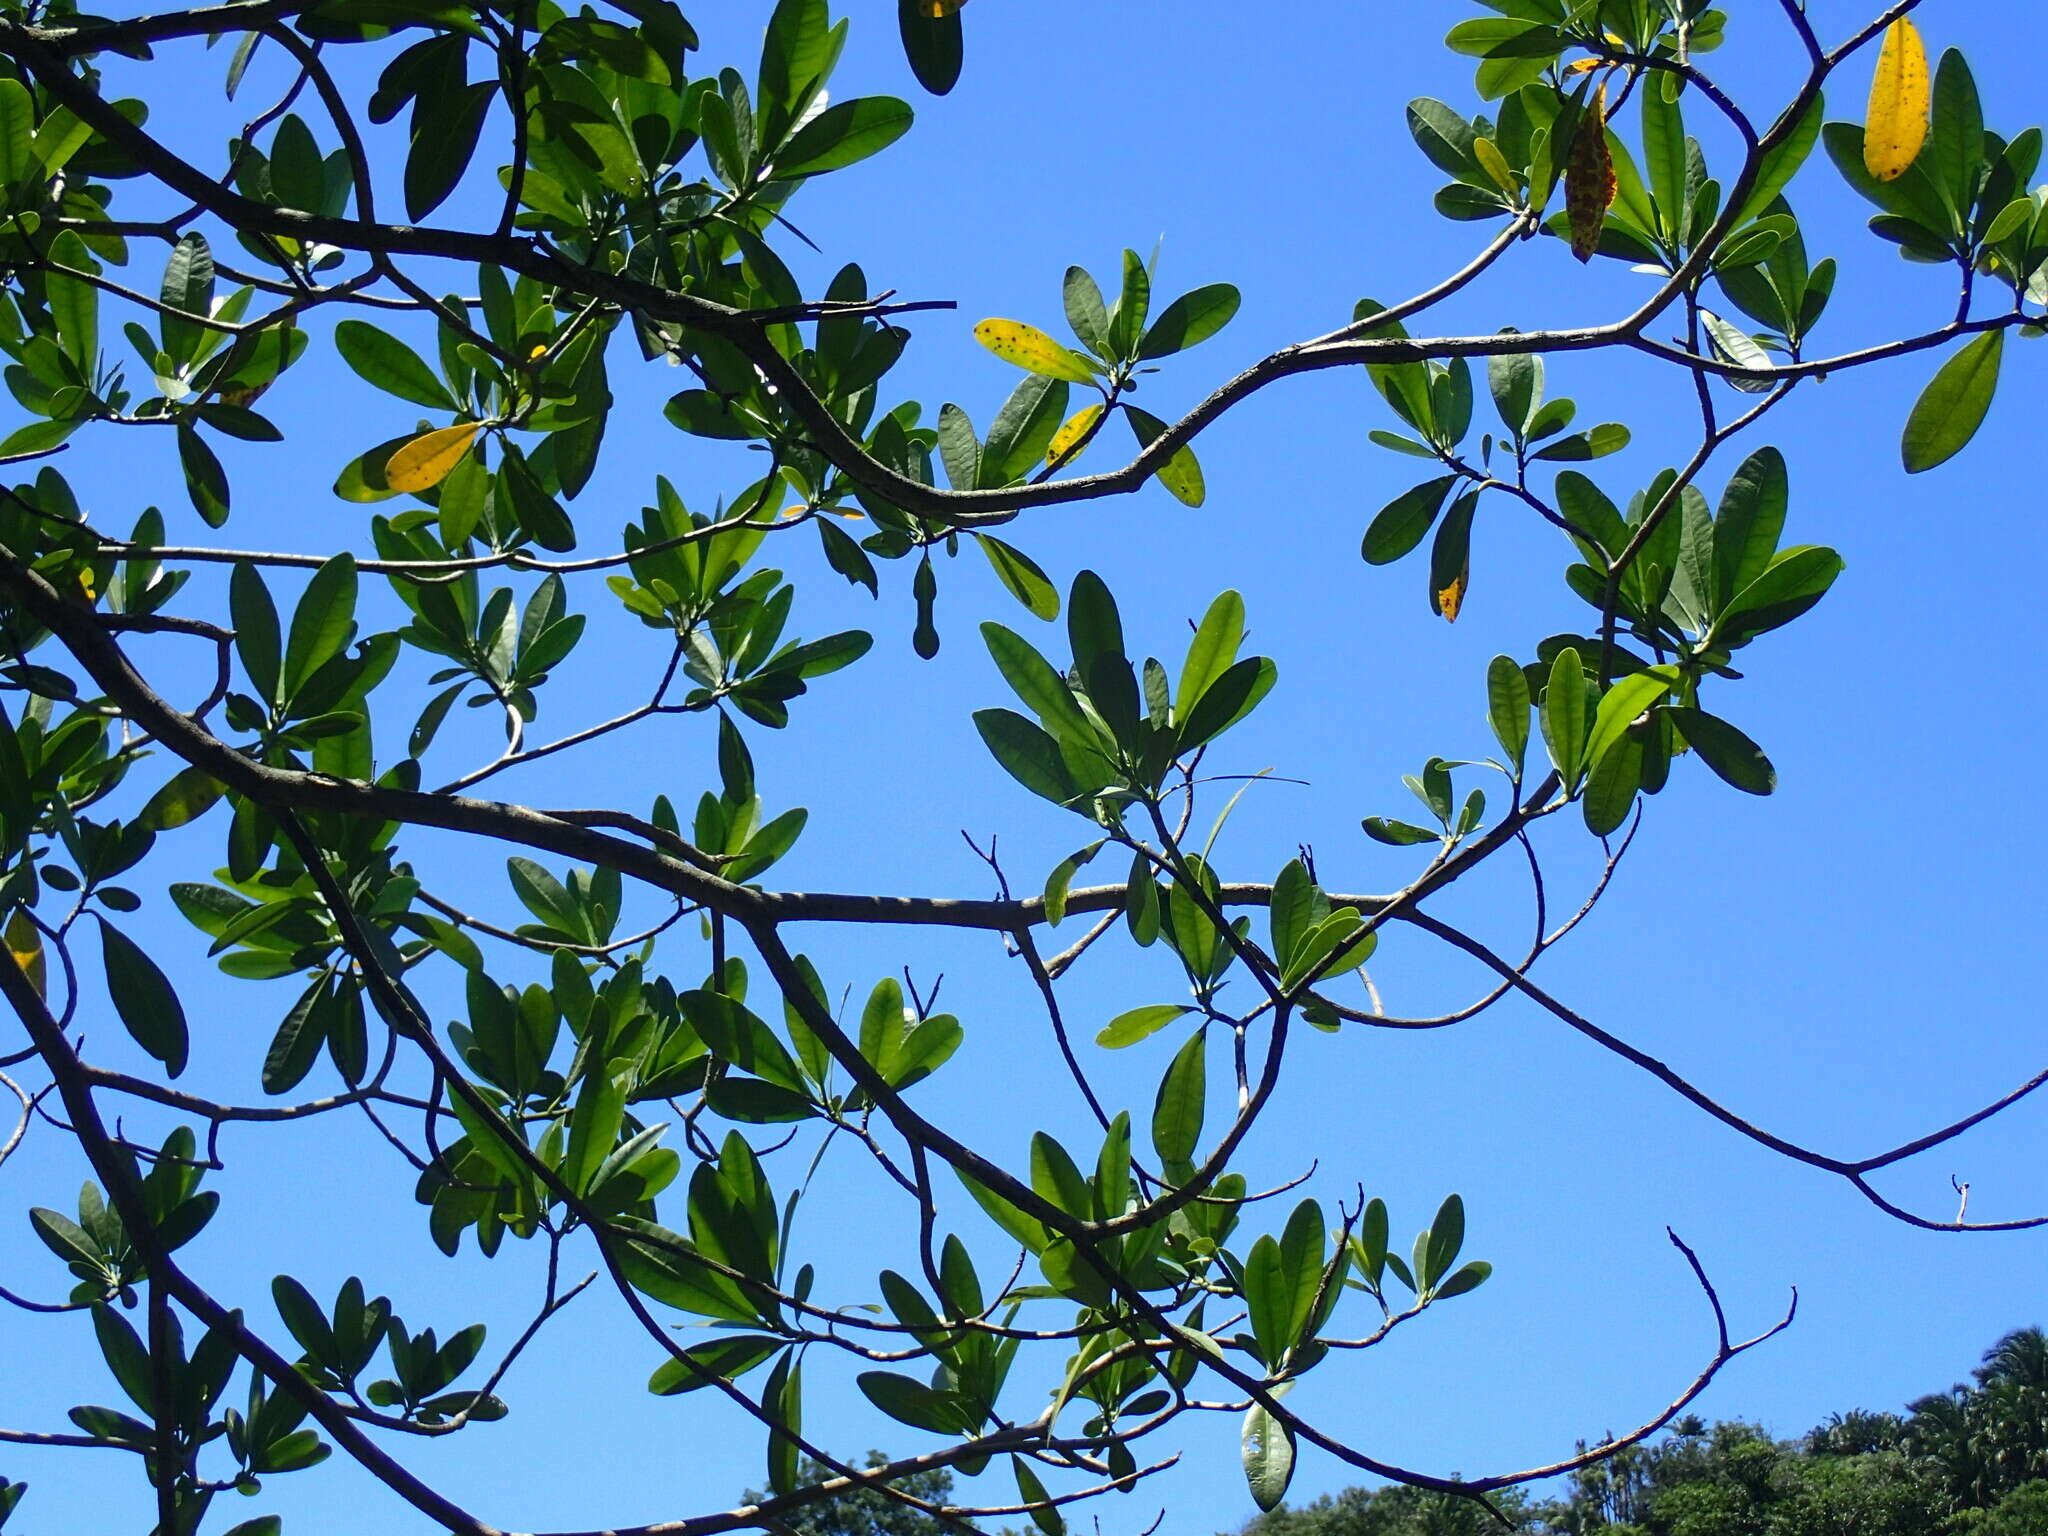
425	461
1953	405
1896	123
1031	349
1130	1027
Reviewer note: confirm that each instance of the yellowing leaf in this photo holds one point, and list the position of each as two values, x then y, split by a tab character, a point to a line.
429	458
939	10
1589	178
1182	475
1897	125
1494	163
1063	449
25	943
1031	349
1452	598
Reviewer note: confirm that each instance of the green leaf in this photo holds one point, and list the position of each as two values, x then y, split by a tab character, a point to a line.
1515	380
1023	429
1227	700
187	795
1190	319
1622	703
1397	834
1130	1027
143	998
125	1356
1507	707
1211	653
1611	786
1593	443
727	1359
256	629
1026	753
187	288
1183	1096
1446	1237
297	1041
1062	876
1180	474
1738	760
1085	311
1127	317
445	131
1781	163
1564	715
206	483
1267	1449
1748	523
385	361
1021	575
843	134
1400	525
322	623
911	1402
1037	683
1952	406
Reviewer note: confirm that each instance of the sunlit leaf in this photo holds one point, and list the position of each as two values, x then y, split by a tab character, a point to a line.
428	459
1897	119
1952	406
1030	348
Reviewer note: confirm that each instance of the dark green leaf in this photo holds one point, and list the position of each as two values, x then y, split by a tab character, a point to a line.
143	998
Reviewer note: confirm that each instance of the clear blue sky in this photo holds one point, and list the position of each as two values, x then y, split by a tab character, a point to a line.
1844	962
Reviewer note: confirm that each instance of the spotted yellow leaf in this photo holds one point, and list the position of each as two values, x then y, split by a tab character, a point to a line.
1031	349
25	943
1452	598
1897	125
1065	446
429	458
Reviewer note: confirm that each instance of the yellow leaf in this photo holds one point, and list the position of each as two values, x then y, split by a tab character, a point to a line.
429	458
1452	598
1897	125
1182	475
25	943
1589	177
1583	66
1064	447
1494	163
1031	349
939	10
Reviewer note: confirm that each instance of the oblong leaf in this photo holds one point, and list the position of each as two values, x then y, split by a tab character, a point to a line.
425	461
1129	1027
1952	406
1896	124
1030	348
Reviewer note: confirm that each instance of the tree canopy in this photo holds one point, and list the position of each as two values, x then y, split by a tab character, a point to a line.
491	230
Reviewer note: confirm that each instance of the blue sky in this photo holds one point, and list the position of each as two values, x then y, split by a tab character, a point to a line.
1843	962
